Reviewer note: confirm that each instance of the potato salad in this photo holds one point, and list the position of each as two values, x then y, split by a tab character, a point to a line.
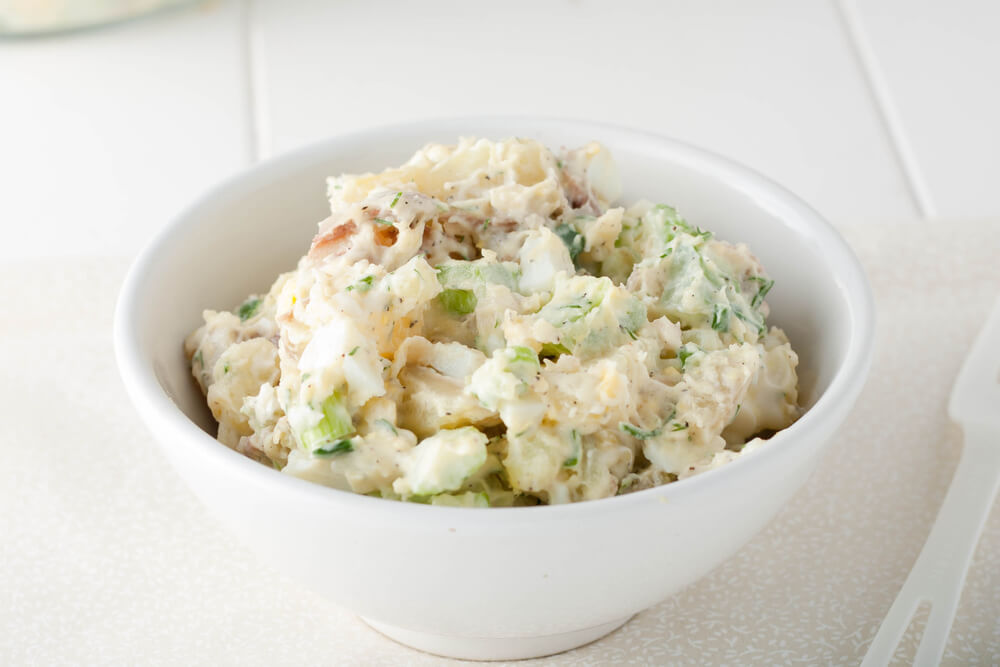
486	326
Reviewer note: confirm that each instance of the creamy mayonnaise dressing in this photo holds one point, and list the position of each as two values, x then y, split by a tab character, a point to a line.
481	327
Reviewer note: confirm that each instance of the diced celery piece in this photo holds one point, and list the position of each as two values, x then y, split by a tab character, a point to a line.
521	359
472	275
442	462
499	274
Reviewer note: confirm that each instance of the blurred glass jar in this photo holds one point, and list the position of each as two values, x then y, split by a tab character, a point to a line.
22	18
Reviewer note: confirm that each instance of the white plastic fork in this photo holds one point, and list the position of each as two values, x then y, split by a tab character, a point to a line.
939	573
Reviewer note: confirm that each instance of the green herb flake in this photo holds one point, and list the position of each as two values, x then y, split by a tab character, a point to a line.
572	238
685	352
395	199
675	223
764	286
362	285
710	274
720	317
354	351
225	368
756	320
248	309
198	358
559	163
486	223
383	221
387	424
678	426
340	447
637	432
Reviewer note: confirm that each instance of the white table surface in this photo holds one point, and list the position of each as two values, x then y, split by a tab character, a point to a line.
107	558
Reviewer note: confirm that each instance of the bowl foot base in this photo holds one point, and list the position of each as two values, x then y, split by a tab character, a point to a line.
495	648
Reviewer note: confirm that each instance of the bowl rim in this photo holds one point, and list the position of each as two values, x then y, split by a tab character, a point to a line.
167	422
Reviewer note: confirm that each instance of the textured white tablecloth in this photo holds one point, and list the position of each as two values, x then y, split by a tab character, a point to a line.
105	557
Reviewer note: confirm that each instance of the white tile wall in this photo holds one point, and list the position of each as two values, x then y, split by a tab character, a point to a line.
104	134
872	110
772	84
937	66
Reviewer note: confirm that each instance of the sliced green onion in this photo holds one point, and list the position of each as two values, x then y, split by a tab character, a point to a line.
248	309
340	447
575	451
335	424
553	350
458	301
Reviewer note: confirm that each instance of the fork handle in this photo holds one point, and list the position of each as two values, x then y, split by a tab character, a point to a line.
939	573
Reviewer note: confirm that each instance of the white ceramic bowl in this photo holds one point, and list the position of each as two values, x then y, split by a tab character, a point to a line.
496	583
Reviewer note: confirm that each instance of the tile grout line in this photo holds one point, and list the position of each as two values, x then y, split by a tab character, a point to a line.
886	108
255	110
